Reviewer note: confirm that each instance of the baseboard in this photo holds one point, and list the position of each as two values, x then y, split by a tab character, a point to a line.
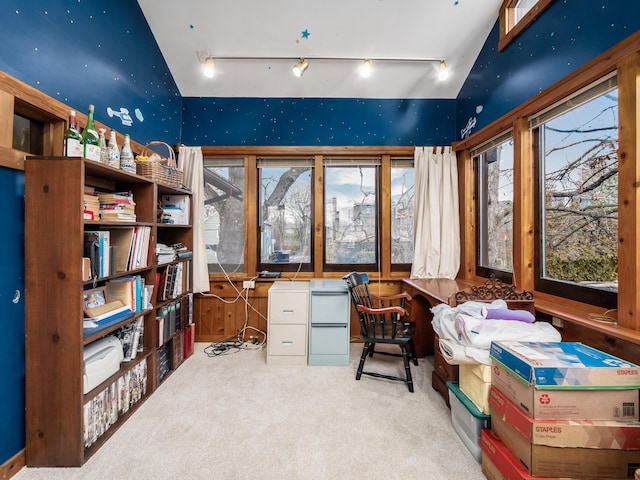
13	465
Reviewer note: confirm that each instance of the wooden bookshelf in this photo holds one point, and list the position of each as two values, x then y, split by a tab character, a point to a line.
54	286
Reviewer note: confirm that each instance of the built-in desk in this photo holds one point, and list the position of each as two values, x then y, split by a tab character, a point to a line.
427	293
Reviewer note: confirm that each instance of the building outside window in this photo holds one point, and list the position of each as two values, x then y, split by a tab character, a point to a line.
351	214
576	150
494	162
224	214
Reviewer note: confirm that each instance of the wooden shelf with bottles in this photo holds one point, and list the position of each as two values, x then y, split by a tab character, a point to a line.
56	431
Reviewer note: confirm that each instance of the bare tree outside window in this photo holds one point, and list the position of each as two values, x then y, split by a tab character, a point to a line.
495	218
224	214
579	164
402	207
285	215
350	215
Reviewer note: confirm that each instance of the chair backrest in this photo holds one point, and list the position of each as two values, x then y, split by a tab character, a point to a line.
372	324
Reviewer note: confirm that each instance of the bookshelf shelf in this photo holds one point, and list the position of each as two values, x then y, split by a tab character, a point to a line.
62	426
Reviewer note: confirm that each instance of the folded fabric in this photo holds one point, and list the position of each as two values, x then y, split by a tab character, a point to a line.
479	333
506	314
456	354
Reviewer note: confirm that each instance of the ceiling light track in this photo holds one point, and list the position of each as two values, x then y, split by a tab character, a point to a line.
302	63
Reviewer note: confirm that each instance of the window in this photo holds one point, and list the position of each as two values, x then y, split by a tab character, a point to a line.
402	204
576	146
516	16
351	214
285	214
494	162
224	214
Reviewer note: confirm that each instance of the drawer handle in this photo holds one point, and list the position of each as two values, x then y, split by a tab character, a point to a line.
287	312
287	343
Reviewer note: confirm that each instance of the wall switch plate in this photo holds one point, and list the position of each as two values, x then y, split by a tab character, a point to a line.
248	284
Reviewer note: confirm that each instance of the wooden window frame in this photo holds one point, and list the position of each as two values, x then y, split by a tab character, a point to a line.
623	58
509	30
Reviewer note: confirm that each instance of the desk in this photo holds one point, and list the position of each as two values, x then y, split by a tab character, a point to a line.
427	293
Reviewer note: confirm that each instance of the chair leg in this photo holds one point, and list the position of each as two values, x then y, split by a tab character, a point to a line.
363	357
407	367
371	349
413	352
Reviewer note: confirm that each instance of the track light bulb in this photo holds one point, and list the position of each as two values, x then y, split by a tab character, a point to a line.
365	69
209	68
443	71
300	67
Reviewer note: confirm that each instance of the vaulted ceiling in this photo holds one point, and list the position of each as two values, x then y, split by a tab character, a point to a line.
286	30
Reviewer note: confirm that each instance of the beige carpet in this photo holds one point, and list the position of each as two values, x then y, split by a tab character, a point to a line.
235	417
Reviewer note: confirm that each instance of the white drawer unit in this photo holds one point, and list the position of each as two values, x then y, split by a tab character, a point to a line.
288	314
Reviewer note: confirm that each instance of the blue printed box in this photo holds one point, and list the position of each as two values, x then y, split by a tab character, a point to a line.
565	381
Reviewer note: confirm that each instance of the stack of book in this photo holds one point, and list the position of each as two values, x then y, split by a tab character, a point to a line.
117	207
164	253
91	210
108	313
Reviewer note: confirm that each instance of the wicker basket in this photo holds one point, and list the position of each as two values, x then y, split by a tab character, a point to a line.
159	169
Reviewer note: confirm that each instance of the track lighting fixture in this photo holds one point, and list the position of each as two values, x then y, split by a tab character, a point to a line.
209	68
300	67
366	64
365	69
443	71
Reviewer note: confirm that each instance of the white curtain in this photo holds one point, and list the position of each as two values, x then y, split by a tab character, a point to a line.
436	218
190	161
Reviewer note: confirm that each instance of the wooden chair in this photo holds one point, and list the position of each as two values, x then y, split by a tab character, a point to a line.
381	322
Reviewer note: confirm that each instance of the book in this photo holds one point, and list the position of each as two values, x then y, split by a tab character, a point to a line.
122	238
103	310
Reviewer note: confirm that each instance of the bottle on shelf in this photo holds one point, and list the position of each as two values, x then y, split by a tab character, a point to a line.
127	161
103	145
90	138
72	138
113	151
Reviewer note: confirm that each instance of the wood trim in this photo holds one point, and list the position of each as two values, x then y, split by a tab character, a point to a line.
384	238
12	466
523	210
629	192
251	215
508	31
318	216
467	209
589	73
209	151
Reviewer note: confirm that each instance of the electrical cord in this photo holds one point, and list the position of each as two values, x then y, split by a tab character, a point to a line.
236	343
605	317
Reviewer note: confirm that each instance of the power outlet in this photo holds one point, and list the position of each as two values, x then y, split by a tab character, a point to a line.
249	284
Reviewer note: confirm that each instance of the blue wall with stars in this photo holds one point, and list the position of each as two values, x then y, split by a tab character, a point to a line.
82	52
315	121
568	35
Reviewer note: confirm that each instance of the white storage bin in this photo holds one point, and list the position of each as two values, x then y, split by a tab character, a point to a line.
467	420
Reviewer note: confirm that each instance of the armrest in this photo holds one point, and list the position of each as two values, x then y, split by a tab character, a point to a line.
397	296
381	311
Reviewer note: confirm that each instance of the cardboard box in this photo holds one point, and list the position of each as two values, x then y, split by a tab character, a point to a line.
475	382
565	381
566	404
498	463
566	448
467	420
565	365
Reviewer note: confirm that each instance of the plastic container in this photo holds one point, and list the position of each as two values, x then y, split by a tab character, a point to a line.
467	420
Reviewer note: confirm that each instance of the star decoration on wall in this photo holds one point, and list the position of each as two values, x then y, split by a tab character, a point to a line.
305	33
